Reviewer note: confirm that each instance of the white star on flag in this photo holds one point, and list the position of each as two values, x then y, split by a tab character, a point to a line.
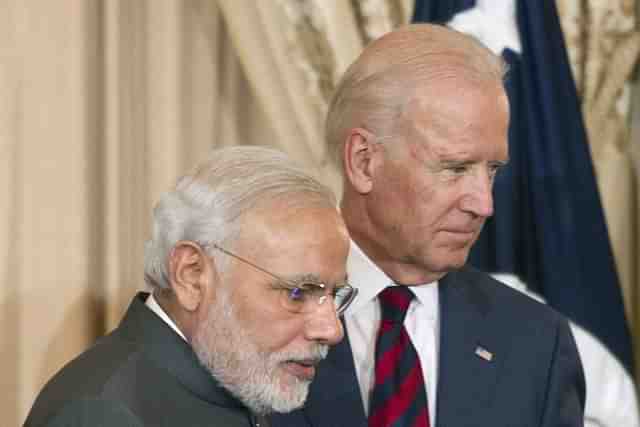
493	22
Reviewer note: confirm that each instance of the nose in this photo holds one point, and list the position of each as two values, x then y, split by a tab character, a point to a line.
478	197
323	325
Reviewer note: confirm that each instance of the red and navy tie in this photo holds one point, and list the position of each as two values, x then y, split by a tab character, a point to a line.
399	398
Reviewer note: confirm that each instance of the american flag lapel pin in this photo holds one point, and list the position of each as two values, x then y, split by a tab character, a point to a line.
483	353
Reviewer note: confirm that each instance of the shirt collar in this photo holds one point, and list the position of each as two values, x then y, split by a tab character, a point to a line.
370	280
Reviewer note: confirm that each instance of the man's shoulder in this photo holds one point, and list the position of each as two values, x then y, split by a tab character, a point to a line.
91	411
88	376
106	358
501	300
517	335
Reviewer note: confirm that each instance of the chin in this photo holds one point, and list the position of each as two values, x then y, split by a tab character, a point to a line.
453	261
291	395
460	261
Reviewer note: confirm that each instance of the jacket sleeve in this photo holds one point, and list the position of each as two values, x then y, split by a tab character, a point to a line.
565	397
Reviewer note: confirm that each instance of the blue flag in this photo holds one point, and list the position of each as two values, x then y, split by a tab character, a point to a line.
549	228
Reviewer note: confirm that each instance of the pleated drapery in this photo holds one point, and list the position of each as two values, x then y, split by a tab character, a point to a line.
603	42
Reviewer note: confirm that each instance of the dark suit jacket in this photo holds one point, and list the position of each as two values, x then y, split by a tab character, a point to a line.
535	377
142	374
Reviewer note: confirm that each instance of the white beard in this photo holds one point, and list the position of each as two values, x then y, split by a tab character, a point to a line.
253	376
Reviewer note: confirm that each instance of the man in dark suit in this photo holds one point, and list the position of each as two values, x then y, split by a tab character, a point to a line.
420	123
247	267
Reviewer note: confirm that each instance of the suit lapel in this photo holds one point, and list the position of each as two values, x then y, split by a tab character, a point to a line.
467	378
334	398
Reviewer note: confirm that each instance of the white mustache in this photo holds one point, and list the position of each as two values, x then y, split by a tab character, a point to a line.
312	356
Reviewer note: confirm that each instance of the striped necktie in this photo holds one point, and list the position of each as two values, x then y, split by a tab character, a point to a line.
399	398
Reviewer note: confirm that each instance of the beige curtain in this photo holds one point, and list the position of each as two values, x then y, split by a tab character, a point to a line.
604	46
294	51
104	103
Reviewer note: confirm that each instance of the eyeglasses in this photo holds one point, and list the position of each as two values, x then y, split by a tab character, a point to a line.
300	297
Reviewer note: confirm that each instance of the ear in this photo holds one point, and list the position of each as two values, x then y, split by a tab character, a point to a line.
360	160
190	274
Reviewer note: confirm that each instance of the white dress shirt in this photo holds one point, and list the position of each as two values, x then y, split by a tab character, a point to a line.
362	318
155	307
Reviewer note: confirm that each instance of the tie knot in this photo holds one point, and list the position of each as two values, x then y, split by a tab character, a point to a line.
394	301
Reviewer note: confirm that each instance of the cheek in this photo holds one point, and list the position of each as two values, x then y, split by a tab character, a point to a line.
276	336
425	205
401	192
270	328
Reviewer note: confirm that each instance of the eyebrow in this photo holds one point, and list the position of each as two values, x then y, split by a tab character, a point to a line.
302	279
451	162
343	283
312	279
500	162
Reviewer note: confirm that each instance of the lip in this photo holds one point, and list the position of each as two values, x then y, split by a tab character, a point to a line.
302	369
461	232
461	238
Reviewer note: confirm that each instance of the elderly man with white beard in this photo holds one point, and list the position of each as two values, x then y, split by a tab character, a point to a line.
247	269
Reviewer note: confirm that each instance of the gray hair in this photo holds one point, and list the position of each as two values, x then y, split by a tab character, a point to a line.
377	87
207	204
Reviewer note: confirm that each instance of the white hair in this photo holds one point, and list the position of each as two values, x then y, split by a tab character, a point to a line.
377	87
206	206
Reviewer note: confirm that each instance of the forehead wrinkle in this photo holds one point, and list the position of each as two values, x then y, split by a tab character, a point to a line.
431	121
429	134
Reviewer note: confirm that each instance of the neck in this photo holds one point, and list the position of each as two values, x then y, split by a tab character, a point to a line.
384	253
